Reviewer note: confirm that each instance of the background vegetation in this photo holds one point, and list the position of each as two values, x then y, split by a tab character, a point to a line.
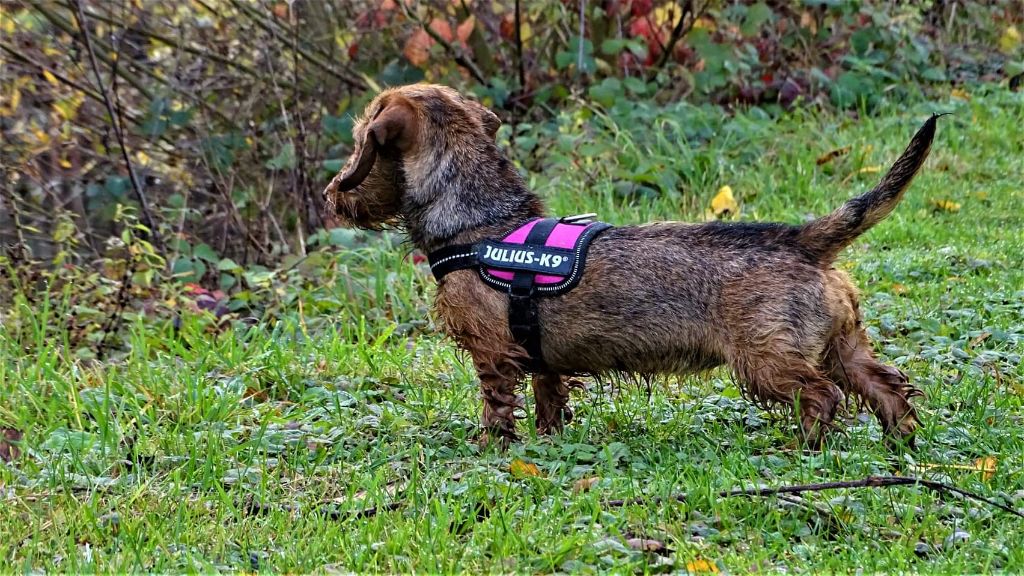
196	374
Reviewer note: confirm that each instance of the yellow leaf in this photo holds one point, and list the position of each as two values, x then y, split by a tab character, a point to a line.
1010	39
987	467
870	170
960	94
829	156
43	137
898	289
701	566
13	102
585	484
51	78
522	469
945	206
142	158
705	23
65	163
724	202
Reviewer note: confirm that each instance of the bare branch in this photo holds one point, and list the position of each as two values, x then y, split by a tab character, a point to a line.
147	214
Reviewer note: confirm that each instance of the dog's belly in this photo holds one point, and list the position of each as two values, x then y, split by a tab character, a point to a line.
652	300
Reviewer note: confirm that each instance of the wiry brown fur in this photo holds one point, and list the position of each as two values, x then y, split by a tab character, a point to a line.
761	298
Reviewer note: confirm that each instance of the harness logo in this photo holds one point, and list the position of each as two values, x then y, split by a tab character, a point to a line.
527	257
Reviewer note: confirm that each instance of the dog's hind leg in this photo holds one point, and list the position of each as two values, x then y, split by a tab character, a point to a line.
551	395
849	361
791	380
885	389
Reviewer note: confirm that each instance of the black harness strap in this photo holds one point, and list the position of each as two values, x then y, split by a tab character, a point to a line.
525	260
523	319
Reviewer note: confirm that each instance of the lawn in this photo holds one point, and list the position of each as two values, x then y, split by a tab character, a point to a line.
262	443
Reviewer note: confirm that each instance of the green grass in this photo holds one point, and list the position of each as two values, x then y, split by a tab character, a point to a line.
227	449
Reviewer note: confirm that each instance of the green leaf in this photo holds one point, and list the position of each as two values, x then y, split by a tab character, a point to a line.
757	15
285	159
613	46
333	166
228	265
205	252
635	85
607	92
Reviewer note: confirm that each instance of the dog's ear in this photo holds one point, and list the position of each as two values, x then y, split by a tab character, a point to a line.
394	125
489	119
491	122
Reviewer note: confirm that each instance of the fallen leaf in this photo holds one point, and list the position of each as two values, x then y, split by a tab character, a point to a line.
646	544
987	467
522	469
701	566
960	94
829	156
585	484
870	170
9	441
945	206
724	202
899	289
979	339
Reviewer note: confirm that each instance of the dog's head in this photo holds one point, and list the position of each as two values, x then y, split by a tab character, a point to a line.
398	146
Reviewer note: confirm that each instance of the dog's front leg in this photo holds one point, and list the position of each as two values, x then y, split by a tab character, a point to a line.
499	378
551	395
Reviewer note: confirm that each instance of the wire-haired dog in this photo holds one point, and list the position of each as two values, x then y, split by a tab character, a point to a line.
763	298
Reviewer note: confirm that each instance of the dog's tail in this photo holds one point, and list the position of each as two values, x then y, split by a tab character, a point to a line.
828	235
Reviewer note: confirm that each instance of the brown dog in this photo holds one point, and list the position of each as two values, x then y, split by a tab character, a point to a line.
762	298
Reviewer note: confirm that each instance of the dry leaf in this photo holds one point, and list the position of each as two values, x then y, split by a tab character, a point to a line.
9	441
522	469
701	566
960	93
829	156
898	288
724	202
646	545
979	339
442	28
417	47
987	467
585	484
945	206
870	170
463	31
807	21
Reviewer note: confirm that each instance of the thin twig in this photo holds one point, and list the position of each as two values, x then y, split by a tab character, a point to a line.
869	482
519	48
147	214
456	54
583	30
233	63
680	30
19	55
255	17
